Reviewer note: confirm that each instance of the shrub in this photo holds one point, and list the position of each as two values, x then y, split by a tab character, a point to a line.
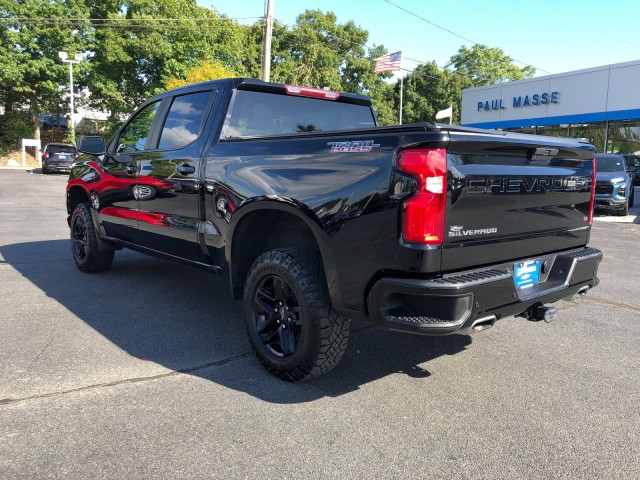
14	126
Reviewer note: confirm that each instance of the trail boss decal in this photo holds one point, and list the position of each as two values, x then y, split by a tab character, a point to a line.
355	146
459	231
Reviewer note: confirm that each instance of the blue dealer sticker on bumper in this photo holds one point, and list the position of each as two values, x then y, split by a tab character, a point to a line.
526	274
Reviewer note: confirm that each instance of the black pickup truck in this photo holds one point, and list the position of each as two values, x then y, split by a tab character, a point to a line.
318	216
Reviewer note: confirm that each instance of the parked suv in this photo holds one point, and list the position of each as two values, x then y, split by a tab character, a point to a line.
58	157
614	183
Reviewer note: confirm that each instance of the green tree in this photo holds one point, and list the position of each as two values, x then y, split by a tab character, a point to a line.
382	97
313	52
319	52
141	49
201	73
31	73
484	65
425	93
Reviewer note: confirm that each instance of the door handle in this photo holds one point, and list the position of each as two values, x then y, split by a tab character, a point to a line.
130	169
186	169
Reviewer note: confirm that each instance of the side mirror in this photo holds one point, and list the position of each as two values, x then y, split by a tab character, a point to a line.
91	144
632	169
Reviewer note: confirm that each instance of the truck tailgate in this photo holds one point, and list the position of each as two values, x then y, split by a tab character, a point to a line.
513	197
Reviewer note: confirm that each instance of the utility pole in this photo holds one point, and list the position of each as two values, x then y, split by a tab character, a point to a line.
268	32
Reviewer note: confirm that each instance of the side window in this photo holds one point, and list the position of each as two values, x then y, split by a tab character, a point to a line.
134	136
184	120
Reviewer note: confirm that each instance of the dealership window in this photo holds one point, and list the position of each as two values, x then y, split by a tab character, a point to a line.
554	131
595	133
624	137
621	136
530	130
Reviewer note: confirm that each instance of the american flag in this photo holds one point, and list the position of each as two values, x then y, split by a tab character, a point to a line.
391	62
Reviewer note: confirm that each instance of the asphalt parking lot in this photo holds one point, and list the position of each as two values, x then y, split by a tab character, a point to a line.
145	371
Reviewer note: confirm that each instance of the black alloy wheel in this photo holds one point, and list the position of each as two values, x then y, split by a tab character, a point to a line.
290	324
277	316
84	242
79	238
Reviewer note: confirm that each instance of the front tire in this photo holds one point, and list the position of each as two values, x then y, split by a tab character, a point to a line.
84	242
625	210
291	327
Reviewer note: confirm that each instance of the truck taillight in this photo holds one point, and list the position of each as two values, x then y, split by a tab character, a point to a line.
312	92
46	155
593	193
423	212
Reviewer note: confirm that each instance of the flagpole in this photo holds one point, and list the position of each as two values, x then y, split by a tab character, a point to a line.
401	87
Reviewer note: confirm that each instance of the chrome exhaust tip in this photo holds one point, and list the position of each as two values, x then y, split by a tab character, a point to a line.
483	323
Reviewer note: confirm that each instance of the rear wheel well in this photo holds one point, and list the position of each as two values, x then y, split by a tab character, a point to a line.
262	231
75	195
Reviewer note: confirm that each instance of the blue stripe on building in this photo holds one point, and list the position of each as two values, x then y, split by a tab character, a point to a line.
560	120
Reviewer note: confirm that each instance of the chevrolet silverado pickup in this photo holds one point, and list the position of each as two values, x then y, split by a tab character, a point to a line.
317	215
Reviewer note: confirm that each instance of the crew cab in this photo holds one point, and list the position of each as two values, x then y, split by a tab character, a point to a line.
317	215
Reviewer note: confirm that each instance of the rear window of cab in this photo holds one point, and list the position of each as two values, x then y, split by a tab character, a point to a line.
268	114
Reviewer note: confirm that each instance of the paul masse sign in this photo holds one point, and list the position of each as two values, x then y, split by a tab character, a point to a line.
545	98
598	94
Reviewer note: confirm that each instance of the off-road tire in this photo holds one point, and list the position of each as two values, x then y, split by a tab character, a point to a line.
84	242
294	279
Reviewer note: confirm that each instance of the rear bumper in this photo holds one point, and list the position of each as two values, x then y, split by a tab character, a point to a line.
57	167
454	302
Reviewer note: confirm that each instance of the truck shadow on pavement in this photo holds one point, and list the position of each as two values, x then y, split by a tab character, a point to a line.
186	321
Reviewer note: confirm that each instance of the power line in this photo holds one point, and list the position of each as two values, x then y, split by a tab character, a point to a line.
454	33
141	19
222	23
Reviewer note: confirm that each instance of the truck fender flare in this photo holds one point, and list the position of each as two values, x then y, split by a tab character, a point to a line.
295	208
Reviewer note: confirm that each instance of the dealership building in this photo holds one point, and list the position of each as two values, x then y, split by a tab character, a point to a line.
601	104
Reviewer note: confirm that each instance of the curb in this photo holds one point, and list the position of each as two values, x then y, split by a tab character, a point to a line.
633	217
19	168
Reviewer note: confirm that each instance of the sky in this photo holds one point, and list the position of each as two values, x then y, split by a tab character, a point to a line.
554	36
